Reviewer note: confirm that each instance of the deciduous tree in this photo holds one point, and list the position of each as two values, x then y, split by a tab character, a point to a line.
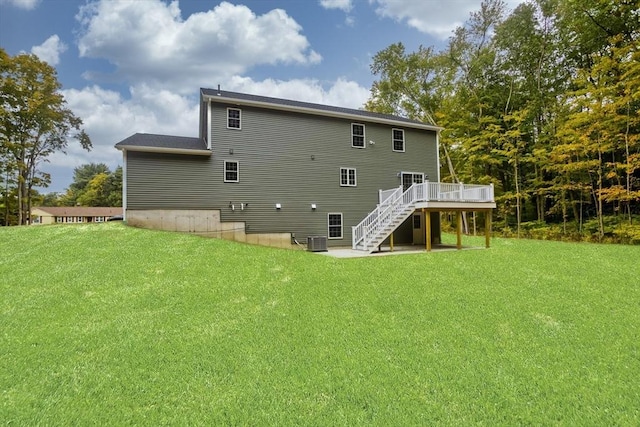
34	121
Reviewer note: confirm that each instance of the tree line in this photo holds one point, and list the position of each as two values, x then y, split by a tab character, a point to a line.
94	184
542	102
35	122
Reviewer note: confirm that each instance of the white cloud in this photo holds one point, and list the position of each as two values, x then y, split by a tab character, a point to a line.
437	18
345	5
342	93
50	50
149	41
109	118
22	4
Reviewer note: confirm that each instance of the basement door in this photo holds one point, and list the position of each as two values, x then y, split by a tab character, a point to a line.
418	228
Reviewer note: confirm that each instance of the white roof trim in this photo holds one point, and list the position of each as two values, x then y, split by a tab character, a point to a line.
283	107
165	150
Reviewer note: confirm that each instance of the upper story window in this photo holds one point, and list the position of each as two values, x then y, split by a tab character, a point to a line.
357	135
347	177
231	171
398	139
234	118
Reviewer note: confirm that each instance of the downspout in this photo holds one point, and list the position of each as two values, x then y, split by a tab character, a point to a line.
124	184
438	154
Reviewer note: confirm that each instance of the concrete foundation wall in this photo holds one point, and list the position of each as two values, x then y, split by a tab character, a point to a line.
204	223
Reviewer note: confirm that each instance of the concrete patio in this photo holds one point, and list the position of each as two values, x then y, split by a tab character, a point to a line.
397	250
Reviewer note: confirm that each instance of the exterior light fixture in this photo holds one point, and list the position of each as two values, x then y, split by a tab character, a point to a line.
278	206
313	206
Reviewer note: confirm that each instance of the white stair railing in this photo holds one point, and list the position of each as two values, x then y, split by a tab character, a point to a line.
395	204
360	232
376	223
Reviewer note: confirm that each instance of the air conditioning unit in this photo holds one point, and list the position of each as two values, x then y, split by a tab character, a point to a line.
317	243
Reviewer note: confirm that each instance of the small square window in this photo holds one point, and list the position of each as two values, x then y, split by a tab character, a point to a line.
335	226
347	177
233	118
357	135
231	171
398	139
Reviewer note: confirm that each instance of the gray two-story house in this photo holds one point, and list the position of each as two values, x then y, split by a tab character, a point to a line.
274	171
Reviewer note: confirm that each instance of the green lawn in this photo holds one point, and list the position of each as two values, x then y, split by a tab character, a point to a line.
110	325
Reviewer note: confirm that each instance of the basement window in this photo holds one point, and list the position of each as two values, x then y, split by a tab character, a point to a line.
335	226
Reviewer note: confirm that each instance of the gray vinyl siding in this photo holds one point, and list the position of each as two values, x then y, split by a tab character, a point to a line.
169	181
274	150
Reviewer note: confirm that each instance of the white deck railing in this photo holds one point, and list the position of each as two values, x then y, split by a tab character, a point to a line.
395	202
450	192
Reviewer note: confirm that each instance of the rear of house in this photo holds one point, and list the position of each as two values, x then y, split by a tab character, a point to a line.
273	171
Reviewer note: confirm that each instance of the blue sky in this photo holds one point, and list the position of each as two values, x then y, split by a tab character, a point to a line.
130	66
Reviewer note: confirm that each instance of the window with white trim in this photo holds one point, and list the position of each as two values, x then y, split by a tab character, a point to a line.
79	219
357	135
233	118
347	177
231	171
335	226
397	135
69	219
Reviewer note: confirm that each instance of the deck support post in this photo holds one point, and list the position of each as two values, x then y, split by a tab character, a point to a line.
459	229
487	228
391	241
427	226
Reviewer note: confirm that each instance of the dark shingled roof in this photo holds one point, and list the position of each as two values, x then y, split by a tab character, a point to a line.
308	105
80	210
163	141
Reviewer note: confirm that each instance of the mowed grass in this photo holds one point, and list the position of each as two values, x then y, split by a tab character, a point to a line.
111	325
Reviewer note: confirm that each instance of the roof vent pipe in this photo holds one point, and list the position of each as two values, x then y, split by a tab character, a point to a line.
218	90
